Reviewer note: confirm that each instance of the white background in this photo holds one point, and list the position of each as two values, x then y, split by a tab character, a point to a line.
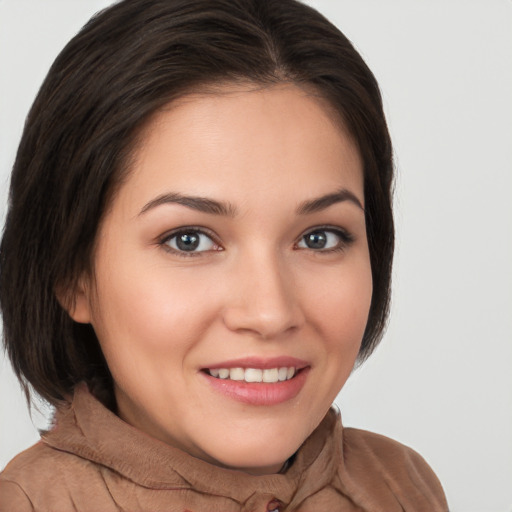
441	381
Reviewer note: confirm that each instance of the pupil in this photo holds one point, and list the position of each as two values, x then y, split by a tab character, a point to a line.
187	241
316	240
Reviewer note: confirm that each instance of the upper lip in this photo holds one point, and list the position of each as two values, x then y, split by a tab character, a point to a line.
261	363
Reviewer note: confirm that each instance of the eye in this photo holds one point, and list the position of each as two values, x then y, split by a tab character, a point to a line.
325	240
190	241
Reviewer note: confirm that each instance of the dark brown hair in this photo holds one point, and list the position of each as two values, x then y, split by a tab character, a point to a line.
122	67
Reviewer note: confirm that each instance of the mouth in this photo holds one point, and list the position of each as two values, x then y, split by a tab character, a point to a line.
250	375
259	382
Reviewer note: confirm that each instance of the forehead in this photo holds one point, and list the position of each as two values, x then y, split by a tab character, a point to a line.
235	141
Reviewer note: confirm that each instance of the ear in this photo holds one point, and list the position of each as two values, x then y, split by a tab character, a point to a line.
75	301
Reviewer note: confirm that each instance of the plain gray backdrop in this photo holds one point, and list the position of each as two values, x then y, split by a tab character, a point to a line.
441	381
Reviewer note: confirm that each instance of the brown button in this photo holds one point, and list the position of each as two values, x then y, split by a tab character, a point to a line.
274	506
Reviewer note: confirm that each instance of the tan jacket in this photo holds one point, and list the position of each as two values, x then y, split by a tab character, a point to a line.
93	461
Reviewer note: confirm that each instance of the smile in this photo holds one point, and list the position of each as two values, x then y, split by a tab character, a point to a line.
268	375
256	381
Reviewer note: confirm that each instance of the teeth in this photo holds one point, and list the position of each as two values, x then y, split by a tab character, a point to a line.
223	373
270	375
253	375
282	374
236	374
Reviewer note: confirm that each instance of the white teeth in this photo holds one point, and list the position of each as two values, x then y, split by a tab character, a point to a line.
269	375
223	373
253	375
282	374
236	374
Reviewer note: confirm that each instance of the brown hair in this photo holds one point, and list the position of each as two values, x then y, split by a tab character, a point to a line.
124	65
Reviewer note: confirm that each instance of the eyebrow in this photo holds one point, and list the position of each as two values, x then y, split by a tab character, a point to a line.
201	204
211	206
323	202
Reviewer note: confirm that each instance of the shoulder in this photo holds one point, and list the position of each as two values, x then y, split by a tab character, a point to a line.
381	447
43	478
13	497
36	464
369	458
15	479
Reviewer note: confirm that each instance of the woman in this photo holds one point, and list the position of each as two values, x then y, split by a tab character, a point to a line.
200	232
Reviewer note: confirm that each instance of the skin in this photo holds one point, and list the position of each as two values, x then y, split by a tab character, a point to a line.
254	289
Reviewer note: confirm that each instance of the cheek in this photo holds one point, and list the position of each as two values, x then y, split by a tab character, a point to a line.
140	312
338	314
341	307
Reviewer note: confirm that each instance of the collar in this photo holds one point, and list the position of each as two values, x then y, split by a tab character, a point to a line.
86	428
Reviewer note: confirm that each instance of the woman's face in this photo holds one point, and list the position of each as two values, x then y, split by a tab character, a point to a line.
232	278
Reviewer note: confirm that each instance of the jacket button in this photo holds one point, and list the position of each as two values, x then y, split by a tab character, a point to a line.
274	506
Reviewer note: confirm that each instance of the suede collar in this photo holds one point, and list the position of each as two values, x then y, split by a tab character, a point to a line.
87	429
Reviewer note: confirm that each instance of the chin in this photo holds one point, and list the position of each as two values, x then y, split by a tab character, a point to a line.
255	453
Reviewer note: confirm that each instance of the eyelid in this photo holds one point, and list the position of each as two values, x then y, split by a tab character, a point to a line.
346	237
164	239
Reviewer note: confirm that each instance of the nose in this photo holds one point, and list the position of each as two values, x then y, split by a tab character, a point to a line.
263	298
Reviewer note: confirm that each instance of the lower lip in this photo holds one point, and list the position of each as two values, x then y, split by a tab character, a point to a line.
259	393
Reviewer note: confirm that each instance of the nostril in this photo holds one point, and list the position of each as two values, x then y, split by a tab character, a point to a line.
264	319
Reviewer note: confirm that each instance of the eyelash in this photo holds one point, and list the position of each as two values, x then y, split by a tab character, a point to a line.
164	241
345	240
